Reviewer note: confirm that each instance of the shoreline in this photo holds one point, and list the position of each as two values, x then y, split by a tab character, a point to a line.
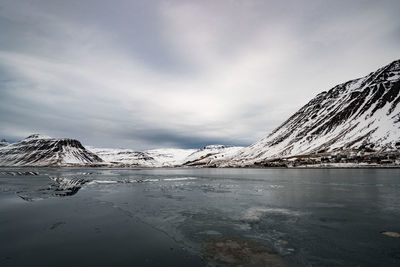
206	167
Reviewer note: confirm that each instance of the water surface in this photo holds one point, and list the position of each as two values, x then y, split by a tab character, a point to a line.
166	217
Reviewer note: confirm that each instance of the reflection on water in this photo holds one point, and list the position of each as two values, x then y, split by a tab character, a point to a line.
56	187
308	217
18	173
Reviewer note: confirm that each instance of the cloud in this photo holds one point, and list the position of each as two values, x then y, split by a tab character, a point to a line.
149	74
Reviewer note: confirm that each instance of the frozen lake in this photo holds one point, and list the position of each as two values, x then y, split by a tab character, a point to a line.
187	217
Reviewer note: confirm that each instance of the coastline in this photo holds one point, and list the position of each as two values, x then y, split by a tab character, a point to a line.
207	167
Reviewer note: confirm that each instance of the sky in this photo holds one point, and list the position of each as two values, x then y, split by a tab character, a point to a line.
184	74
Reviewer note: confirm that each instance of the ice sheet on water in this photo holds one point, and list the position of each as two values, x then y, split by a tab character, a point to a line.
180	179
277	208
255	213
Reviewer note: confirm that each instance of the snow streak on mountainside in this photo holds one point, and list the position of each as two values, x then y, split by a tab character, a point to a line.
359	115
39	150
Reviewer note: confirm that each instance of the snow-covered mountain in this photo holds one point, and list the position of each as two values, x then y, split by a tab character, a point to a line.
163	157
124	157
40	150
359	115
3	142
168	157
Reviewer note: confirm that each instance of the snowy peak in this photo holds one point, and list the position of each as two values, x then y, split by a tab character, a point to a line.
38	150
360	114
37	136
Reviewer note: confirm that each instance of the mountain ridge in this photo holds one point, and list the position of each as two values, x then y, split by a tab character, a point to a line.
39	150
360	113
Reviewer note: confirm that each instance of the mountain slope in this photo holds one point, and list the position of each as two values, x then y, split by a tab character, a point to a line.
168	157
210	155
361	115
39	150
3	142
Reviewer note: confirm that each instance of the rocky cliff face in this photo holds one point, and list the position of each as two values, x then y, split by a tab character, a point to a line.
359	115
39	150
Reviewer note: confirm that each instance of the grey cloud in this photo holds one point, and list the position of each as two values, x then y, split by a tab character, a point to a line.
147	74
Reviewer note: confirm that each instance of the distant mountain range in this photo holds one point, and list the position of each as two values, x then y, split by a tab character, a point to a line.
356	123
164	157
40	150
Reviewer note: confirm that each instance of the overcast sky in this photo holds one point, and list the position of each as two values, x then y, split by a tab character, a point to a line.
148	74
